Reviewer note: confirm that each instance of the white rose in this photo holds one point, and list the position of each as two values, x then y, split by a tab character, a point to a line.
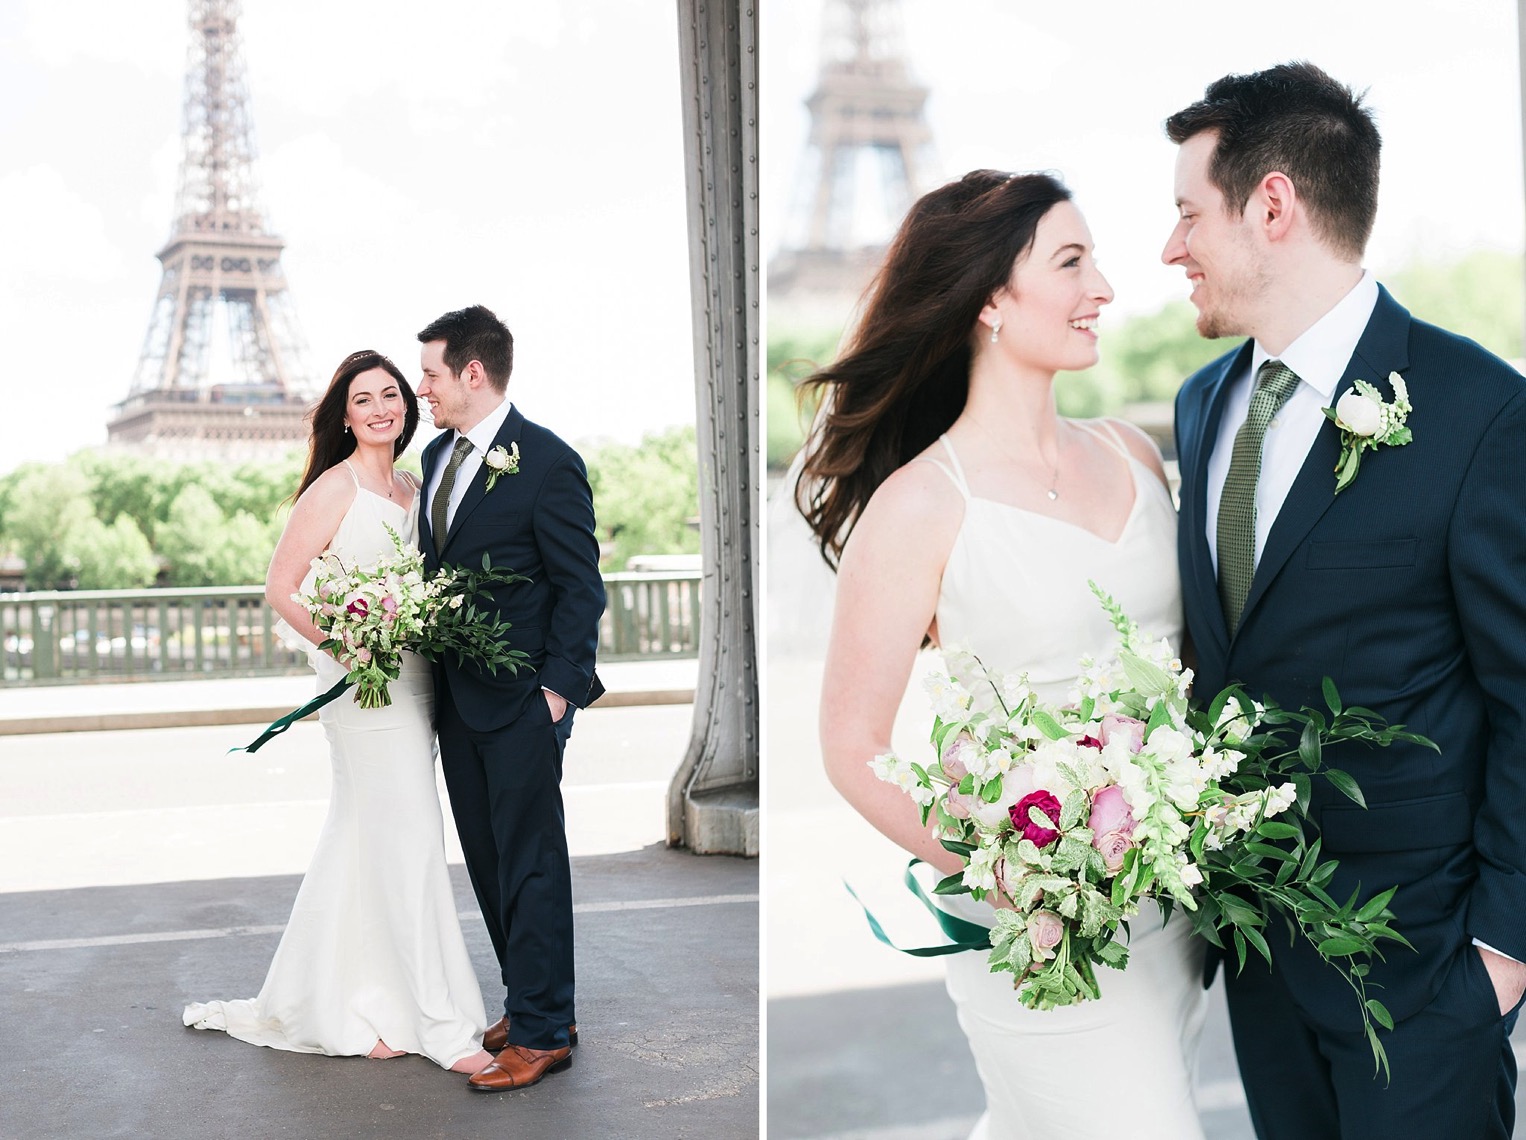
1360	415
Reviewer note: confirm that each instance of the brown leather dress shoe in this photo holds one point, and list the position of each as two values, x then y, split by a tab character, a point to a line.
519	1068
496	1039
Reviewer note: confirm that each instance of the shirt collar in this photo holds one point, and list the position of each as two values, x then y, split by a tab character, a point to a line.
1320	355
486	431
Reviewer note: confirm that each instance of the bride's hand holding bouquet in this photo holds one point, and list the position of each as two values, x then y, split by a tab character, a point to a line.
1071	815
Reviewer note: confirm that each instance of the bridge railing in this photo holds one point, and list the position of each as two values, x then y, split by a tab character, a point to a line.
74	636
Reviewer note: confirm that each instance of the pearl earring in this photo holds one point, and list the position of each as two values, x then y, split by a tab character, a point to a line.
995	329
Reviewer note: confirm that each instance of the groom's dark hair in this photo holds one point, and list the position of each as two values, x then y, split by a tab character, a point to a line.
474	333
1296	119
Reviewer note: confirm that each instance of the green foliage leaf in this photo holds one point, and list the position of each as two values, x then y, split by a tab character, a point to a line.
1332	696
1343	783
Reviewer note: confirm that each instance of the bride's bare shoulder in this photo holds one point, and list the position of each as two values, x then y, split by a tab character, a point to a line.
334	490
918	501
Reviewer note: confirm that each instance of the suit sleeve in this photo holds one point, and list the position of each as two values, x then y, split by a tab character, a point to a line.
1488	563
569	548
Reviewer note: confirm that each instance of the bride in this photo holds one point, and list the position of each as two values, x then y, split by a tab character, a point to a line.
960	509
372	961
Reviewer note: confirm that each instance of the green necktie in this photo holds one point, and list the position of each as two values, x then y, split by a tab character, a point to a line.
1275	382
441	505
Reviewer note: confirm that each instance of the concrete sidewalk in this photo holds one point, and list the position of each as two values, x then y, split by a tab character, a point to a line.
92	982
140	870
98	707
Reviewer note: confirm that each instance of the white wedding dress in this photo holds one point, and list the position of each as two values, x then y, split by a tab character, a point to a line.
1015	593
373	949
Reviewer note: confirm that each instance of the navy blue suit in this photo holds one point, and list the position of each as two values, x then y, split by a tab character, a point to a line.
499	749
1409	590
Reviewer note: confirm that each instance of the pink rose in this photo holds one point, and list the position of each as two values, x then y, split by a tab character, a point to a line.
953	756
1112	826
959	805
389	604
363	655
1113	846
1048	806
1008	884
1124	728
1045	929
1110	811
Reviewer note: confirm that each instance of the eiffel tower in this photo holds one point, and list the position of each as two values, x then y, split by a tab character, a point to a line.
866	112
221	260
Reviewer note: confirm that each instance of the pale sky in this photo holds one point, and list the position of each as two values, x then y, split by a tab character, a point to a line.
1083	90
528	157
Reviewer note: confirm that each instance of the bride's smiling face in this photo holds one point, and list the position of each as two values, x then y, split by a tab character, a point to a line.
375	411
1050	305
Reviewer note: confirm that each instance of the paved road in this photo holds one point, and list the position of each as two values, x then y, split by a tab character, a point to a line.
142	869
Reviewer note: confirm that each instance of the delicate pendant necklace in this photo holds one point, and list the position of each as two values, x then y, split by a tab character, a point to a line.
1053	493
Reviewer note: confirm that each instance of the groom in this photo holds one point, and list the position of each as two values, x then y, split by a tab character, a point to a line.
497	484
1408	589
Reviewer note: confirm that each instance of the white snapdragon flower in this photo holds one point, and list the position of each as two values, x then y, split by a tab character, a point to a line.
1220	762
980	871
1014	690
1280	798
1188	871
951	700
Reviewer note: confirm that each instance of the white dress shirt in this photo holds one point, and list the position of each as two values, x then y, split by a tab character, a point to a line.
481	438
1319	357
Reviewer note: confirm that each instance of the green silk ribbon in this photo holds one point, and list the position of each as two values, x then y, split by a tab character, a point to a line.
965	935
281	725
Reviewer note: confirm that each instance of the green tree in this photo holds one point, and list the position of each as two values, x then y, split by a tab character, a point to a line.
189	538
1481	295
46	505
792	356
114	557
646	497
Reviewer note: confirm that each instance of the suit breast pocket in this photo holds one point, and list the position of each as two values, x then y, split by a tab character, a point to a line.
1373	554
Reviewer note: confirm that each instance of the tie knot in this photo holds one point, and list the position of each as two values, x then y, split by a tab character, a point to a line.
459	452
1276	380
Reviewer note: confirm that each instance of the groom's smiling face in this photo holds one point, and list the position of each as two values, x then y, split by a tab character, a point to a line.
446	392
1215	245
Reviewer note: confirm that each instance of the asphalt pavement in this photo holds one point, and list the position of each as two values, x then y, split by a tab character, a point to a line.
144	868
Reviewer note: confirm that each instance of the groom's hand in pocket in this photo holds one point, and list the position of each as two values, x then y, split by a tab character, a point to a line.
1508	976
556	703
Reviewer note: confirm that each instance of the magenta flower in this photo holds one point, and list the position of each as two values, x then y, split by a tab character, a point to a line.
1049	806
358	607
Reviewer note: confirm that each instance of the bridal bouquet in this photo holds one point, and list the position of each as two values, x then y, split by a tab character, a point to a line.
1074	814
371	614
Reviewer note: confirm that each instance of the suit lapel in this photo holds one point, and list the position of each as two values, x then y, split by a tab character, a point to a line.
1204	578
508	433
1384	348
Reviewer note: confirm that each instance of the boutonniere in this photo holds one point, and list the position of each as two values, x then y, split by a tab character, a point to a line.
501	461
1367	421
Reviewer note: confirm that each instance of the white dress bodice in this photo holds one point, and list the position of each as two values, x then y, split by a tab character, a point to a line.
1014	590
1015	593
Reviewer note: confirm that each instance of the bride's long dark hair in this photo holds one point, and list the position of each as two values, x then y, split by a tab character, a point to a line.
904	373
330	442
